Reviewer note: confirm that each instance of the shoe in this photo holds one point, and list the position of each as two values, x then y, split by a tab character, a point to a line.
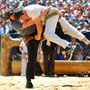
29	84
53	75
45	75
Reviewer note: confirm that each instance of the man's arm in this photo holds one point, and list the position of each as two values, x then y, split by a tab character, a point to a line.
21	50
39	25
27	23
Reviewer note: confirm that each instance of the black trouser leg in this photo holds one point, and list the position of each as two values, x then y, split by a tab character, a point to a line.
32	47
46	62
52	61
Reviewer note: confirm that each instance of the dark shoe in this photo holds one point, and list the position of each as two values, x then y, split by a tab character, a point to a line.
53	75
29	84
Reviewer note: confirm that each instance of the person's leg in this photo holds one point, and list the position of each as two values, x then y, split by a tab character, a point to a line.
25	63
52	61
22	70
24	67
45	61
32	47
50	32
70	30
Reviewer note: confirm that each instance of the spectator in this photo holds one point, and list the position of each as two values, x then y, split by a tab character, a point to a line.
3	9
60	6
7	4
68	6
86	29
74	23
11	4
77	18
53	5
49	58
48	3
1	17
8	28
85	16
80	27
58	53
67	16
71	14
63	12
73	2
65	9
65	3
82	21
57	2
2	28
77	54
23	49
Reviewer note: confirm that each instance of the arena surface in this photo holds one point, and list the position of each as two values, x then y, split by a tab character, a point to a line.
45	83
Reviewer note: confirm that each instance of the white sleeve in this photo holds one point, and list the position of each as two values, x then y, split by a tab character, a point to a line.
33	14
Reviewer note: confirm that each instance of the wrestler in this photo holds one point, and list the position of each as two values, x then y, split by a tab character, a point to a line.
28	31
49	16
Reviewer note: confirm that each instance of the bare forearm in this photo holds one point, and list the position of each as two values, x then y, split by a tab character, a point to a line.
39	25
39	29
27	23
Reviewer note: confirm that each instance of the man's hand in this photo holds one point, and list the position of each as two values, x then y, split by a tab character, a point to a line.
58	49
37	37
42	38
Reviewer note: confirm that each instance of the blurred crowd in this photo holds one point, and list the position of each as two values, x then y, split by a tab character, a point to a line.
76	12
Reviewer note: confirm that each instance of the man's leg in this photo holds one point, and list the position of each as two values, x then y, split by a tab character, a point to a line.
66	27
22	70
52	61
70	30
23	67
50	32
46	61
32	47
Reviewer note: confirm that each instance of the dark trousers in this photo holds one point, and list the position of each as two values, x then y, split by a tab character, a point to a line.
49	60
32	47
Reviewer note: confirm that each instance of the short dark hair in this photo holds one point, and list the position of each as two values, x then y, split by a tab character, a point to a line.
17	13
